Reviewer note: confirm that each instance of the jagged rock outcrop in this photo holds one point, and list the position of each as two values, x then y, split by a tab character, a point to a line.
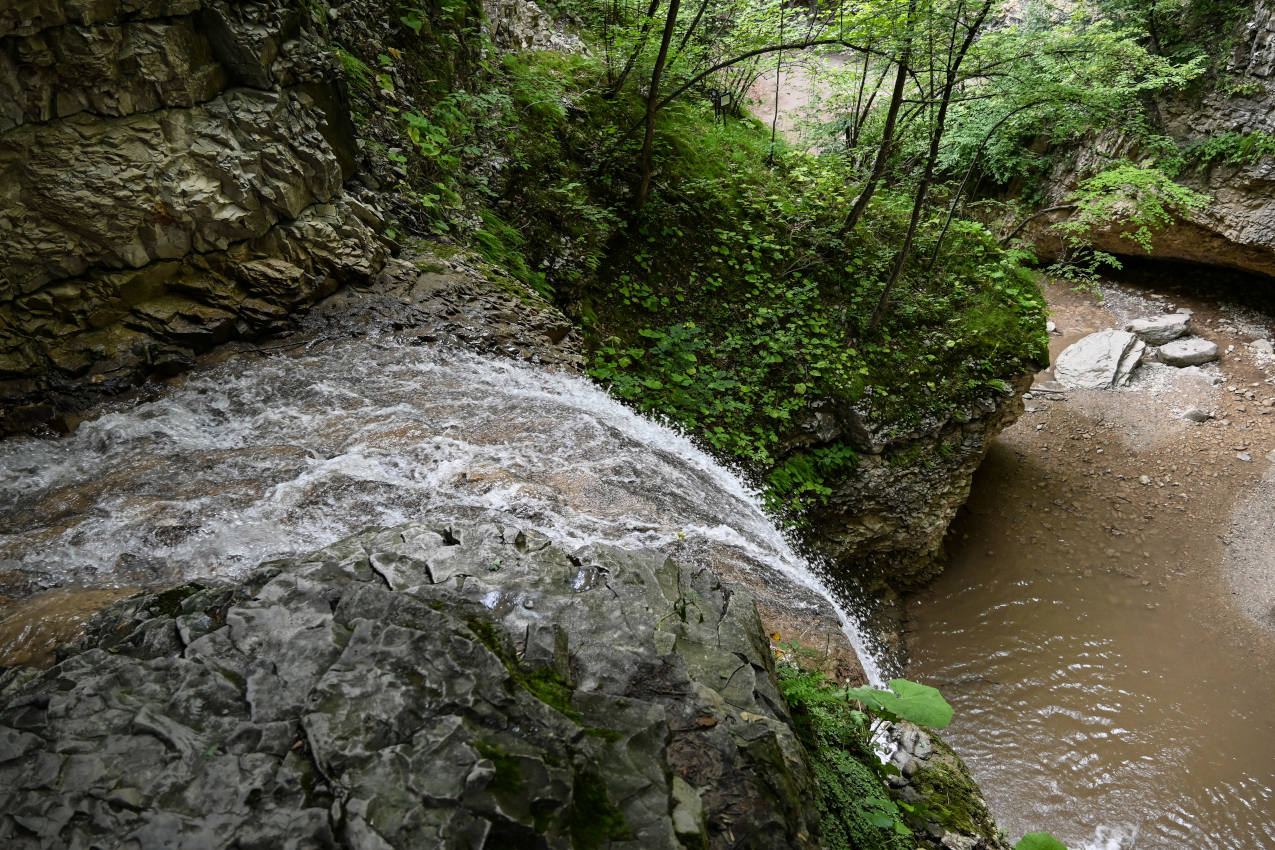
885	520
1237	230
171	176
421	686
458	299
524	25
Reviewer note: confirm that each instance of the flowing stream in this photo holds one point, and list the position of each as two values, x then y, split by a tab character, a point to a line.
272	456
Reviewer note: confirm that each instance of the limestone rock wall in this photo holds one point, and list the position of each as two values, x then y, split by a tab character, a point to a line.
171	176
884	522
1238	229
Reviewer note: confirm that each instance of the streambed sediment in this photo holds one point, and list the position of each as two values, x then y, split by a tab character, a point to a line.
1103	629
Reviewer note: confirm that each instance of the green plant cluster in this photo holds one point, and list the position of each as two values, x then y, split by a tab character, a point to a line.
730	304
737	310
1182	29
856	809
1230	148
836	725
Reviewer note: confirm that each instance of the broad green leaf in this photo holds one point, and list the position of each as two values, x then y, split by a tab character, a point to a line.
919	704
1039	841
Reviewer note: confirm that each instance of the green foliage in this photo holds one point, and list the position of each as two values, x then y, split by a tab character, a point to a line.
1229	148
356	70
856	809
1058	77
1181	29
915	703
738	311
1138	200
1039	841
804	477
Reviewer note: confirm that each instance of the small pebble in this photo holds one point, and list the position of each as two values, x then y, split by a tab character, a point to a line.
1144	479
1244	456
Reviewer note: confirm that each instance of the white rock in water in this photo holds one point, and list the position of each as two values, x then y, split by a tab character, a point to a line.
1050	327
1099	361
1192	351
1158	330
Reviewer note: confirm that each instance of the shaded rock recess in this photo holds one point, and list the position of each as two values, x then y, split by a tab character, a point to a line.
1236	230
420	686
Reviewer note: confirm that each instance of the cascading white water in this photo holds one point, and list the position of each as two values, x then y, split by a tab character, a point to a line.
268	457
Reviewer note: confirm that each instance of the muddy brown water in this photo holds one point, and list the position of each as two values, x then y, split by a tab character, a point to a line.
1110	683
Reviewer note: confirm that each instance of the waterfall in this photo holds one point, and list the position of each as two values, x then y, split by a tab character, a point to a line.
273	456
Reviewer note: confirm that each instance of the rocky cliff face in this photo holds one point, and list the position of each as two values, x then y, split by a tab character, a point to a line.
421	686
884	521
1238	229
171	176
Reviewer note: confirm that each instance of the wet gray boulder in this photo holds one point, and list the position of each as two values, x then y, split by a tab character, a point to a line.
1099	361
421	686
1157	330
1190	351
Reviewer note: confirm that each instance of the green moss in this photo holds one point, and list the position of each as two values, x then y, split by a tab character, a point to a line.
490	636
239	682
544	683
608	735
508	777
169	603
950	794
594	820
856	811
551	689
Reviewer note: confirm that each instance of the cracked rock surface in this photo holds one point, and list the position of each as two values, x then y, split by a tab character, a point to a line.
171	176
421	686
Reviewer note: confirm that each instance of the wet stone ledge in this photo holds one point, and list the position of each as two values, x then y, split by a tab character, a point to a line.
420	686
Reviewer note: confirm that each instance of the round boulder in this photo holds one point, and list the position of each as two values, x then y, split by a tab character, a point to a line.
1189	351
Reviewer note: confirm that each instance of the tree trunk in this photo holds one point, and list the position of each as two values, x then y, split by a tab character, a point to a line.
887	133
637	51
931	160
653	98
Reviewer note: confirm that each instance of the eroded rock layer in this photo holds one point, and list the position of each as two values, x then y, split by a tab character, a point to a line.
171	176
1236	230
884	522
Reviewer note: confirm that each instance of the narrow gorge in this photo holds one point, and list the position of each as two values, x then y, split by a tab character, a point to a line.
501	425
